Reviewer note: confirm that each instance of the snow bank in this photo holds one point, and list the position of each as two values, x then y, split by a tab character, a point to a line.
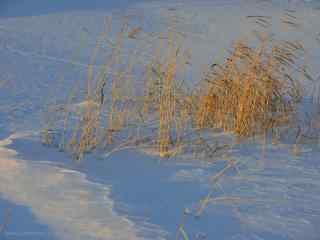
72	206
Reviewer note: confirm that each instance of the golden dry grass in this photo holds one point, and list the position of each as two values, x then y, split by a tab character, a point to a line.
252	92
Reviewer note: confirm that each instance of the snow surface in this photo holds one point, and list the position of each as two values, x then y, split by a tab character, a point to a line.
72	206
132	195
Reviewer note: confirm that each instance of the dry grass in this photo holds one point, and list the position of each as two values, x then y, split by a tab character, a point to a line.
252	92
167	101
90	128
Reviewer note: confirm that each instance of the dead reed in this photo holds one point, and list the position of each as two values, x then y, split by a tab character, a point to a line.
253	91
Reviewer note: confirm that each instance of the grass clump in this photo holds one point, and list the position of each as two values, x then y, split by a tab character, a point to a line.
253	90
135	98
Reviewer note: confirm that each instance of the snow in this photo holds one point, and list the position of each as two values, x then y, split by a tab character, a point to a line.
45	49
65	200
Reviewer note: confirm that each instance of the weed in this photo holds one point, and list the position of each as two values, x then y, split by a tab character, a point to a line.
252	91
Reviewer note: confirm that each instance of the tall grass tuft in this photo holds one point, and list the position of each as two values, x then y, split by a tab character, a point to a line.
253	90
167	102
140	97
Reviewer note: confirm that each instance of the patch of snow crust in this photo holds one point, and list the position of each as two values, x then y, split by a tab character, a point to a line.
73	207
276	196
